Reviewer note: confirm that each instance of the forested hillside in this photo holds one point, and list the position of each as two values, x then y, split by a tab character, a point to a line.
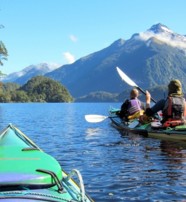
38	89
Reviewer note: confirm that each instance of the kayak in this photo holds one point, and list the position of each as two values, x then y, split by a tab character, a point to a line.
29	174
153	129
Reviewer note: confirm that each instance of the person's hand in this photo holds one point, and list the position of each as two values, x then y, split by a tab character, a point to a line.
148	97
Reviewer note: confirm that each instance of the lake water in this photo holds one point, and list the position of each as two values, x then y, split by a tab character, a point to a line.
114	167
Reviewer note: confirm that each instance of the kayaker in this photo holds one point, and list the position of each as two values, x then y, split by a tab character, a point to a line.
173	108
131	107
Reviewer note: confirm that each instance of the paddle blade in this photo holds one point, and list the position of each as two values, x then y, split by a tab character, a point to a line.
125	78
93	118
130	82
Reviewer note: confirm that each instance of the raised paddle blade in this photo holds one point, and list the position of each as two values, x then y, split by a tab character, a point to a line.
130	82
94	118
125	78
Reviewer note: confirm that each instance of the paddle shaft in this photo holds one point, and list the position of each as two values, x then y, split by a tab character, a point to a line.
144	93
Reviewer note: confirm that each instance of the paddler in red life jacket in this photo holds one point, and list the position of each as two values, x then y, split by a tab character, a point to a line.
173	108
130	108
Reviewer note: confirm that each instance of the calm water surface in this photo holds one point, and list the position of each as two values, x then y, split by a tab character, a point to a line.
115	167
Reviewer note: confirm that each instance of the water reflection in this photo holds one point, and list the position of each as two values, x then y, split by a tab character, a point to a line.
92	132
175	160
154	166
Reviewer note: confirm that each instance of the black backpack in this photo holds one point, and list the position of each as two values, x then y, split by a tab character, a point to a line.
124	110
174	108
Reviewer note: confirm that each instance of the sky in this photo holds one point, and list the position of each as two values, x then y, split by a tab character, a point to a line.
60	32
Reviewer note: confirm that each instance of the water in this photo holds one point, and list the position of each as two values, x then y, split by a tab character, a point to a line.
114	167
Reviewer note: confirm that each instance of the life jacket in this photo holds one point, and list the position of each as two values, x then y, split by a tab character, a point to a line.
136	115
134	106
128	108
174	112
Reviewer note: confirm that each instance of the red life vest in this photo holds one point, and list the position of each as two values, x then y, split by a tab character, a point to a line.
174	111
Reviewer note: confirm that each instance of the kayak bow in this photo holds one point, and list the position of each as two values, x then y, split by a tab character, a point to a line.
28	174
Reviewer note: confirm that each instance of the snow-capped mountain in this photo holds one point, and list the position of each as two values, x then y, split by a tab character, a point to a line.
164	35
150	58
27	73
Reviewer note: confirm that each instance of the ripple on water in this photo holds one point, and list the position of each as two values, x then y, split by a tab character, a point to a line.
115	167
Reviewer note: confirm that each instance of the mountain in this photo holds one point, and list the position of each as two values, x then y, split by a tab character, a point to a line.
150	58
27	73
99	97
91	73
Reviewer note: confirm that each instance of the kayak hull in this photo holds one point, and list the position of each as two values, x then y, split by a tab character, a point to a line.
28	174
174	134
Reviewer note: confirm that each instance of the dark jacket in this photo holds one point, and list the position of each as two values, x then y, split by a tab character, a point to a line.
156	108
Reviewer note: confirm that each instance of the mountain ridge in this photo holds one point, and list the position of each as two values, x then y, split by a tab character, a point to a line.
150	58
147	58
21	77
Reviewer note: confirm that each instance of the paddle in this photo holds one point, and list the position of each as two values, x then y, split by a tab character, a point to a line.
125	78
94	118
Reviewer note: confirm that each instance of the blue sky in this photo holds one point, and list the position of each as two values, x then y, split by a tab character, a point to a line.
62	31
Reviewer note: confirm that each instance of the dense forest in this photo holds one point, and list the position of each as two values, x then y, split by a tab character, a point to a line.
37	89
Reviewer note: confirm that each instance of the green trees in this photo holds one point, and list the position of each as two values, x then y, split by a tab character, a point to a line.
3	55
43	89
38	89
3	52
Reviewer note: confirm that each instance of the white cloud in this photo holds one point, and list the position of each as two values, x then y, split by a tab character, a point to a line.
176	41
69	57
54	65
73	38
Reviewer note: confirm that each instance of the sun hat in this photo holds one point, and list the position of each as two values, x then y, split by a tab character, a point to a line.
175	87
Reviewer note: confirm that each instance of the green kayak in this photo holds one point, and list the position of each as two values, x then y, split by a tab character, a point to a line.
152	129
29	174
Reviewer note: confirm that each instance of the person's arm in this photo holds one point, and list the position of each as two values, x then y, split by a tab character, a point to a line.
150	111
148	98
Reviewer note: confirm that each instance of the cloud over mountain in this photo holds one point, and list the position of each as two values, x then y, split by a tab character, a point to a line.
165	35
69	57
30	71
